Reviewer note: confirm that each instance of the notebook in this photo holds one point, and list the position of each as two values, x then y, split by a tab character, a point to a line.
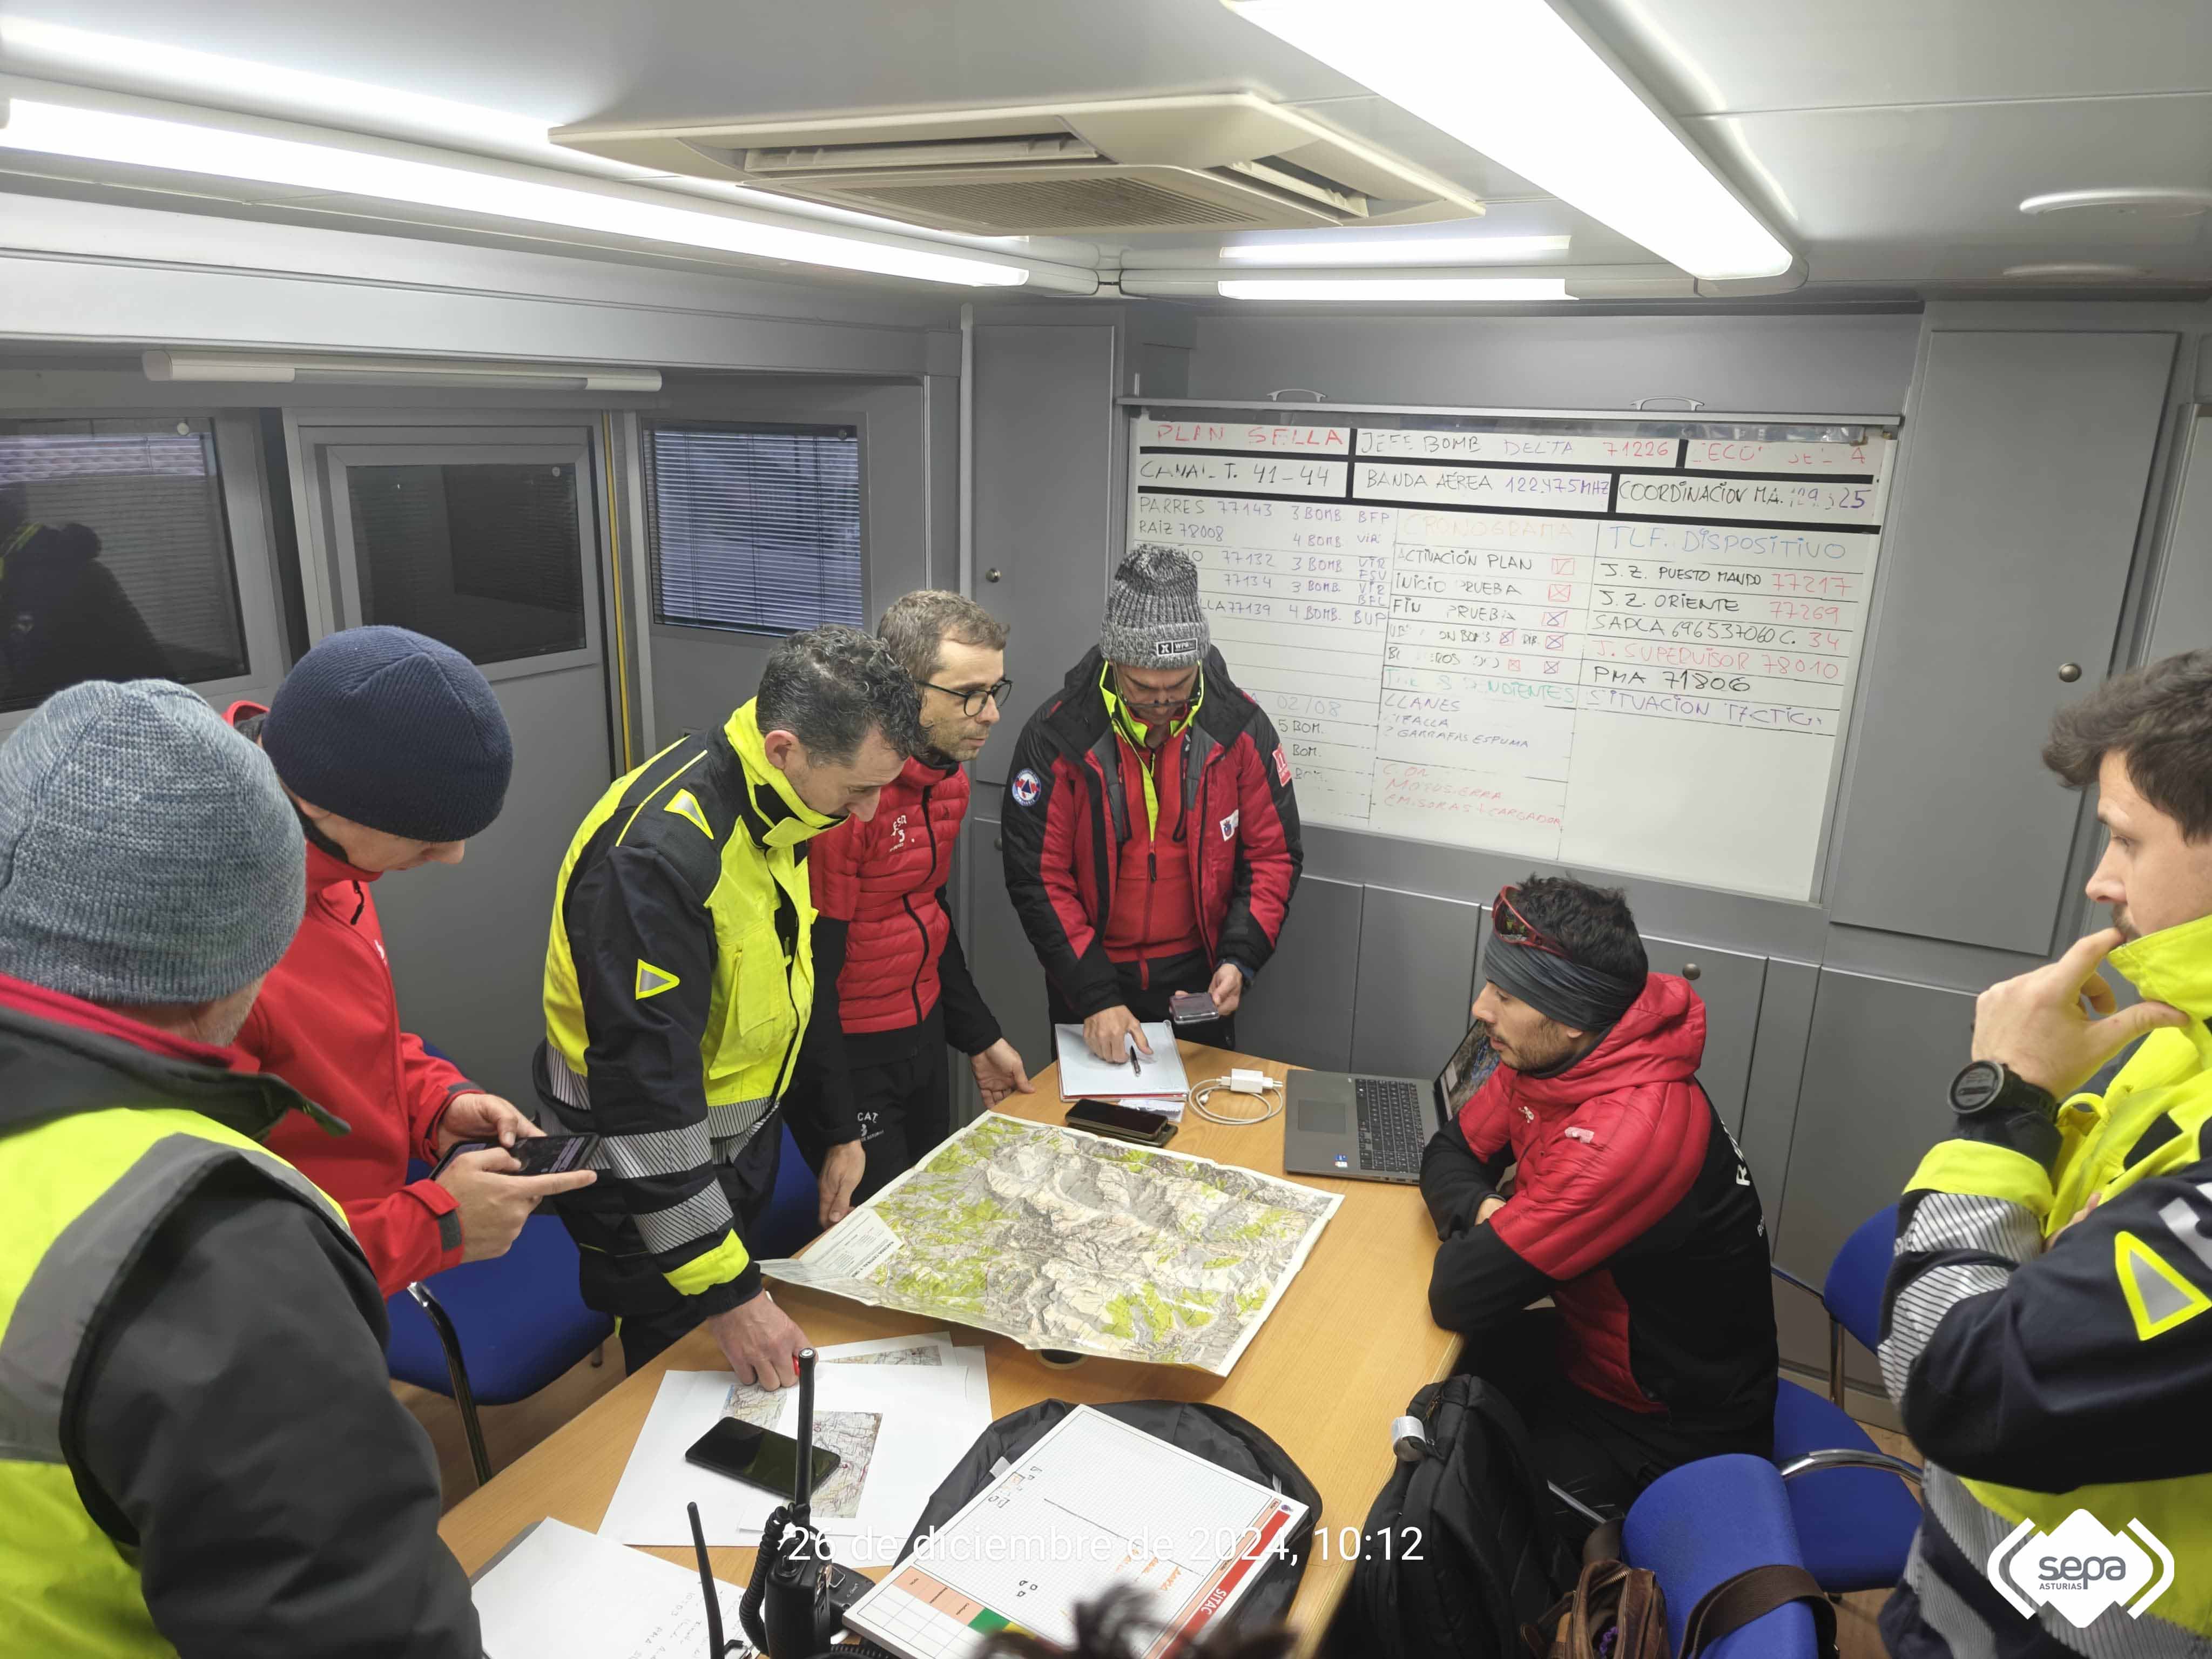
1157	1084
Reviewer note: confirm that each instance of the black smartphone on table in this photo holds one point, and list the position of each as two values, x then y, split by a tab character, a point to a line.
759	1458
1105	1117
537	1154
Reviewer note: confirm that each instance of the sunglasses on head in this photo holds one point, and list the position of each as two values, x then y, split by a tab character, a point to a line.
1508	923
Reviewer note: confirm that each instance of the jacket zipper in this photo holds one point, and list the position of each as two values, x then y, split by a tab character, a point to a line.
906	901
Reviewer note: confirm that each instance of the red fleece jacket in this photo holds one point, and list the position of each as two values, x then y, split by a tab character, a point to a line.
327	1021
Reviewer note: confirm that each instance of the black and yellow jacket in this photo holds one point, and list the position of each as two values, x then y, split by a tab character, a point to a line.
679	980
2044	1337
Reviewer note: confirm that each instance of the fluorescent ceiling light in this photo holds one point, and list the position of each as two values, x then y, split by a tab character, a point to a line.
1504	289
264	368
1433	251
327	170
1513	79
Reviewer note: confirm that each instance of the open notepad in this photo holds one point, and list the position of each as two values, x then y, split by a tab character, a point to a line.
1156	1082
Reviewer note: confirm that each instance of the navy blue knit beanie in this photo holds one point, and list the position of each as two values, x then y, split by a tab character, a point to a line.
389	729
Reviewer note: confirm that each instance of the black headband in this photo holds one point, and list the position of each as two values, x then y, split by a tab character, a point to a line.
1584	998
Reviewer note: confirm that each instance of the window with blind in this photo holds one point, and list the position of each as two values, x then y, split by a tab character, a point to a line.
754	526
115	560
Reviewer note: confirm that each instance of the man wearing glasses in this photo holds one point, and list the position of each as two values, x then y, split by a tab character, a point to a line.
1152	833
1632	1210
883	931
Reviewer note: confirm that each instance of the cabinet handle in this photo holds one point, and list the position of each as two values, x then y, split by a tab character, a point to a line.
998	843
1690	970
993	573
2070	672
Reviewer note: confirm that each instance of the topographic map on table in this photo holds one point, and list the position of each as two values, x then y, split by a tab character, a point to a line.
1060	1239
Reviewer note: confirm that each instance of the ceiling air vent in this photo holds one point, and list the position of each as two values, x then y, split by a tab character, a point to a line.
1217	161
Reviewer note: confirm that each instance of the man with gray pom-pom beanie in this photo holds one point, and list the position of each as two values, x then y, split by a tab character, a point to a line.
200	1453
1150	830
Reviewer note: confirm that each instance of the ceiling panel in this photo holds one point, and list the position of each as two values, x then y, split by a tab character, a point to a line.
1705	56
1928	181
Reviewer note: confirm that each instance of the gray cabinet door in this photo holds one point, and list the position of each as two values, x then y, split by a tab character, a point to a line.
1045	435
1300	1008
999	955
1731	984
1416	955
2005	554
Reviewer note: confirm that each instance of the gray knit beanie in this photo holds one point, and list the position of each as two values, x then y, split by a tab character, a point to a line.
147	852
1153	615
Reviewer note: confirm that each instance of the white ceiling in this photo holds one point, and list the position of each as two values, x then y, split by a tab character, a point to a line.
1891	140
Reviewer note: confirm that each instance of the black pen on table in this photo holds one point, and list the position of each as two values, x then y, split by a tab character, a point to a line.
1135	1070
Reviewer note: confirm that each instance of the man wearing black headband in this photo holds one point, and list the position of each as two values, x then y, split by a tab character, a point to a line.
1632	1209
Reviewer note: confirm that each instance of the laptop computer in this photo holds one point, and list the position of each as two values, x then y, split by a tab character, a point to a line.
1373	1128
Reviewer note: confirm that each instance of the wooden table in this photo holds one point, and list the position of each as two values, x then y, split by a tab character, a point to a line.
1345	1349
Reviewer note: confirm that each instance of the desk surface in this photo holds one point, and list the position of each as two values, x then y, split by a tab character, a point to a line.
1345	1349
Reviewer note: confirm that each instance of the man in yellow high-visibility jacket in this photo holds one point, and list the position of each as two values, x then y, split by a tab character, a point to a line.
200	1453
2044	1333
679	982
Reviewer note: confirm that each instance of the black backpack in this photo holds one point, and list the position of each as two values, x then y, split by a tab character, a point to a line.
1218	1435
1460	1549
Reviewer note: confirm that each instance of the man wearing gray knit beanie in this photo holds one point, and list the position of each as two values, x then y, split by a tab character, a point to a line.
206	1455
1150	829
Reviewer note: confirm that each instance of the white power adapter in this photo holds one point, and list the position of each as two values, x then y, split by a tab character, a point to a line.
1245	1082
1240	1081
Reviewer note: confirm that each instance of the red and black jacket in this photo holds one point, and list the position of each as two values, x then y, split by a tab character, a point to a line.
878	891
1632	1210
1067	814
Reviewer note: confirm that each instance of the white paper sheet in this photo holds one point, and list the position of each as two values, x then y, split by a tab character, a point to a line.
925	1417
563	1593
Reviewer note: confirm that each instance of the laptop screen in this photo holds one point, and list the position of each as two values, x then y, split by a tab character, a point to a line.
1467	1070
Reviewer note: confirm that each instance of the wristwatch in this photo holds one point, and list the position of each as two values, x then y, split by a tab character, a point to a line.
1989	1088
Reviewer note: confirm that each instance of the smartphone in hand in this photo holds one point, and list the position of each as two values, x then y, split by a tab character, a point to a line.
537	1154
1192	1008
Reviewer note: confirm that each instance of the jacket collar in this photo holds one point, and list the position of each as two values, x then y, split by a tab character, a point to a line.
921	774
771	811
60	1055
324	870
2174	966
1079	716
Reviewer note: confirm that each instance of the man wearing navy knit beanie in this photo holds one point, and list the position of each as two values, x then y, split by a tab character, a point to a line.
394	752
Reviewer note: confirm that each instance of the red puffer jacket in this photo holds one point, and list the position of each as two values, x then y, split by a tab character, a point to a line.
881	877
327	1021
1633	1207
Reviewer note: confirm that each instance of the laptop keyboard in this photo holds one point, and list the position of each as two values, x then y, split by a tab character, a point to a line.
1389	1126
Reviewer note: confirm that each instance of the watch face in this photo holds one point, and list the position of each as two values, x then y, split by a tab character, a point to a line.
1977	1087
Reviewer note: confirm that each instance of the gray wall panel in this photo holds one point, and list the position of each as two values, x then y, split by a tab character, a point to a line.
2011	531
998	953
1416	958
1777	1064
1045	426
2183	621
1300	1009
1881	1056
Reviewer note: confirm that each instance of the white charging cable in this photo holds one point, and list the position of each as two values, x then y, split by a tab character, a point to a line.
1240	1082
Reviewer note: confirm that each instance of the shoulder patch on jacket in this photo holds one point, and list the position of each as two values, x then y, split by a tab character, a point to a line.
685	805
1282	766
2159	1297
1026	787
652	981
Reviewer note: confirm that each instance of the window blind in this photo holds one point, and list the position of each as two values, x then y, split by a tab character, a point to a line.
755	527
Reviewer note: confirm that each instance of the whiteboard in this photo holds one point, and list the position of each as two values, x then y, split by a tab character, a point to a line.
1624	645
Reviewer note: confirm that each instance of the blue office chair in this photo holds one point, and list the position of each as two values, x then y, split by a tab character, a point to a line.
789	1223
496	1331
1703	1523
1854	1520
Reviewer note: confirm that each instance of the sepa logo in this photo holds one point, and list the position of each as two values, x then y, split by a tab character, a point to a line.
1026	787
2080	1569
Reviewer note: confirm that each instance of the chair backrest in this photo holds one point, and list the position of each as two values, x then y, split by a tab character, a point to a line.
1854	1285
1707	1521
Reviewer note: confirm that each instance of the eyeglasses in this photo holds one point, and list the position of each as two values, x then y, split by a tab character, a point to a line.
971	701
1509	925
1138	696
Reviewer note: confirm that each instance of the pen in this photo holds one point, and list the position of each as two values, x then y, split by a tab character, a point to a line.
1135	1070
